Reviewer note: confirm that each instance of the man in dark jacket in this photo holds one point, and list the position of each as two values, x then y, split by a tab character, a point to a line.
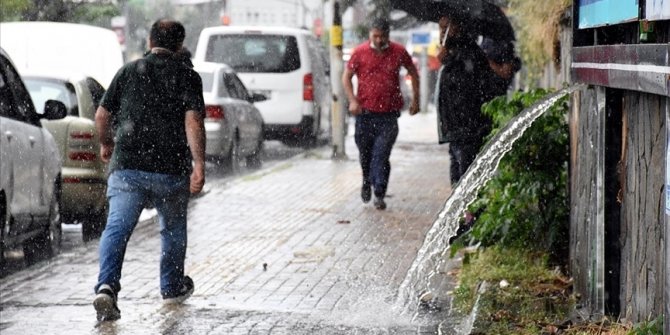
464	84
150	123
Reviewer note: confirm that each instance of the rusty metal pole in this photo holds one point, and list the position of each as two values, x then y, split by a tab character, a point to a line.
336	69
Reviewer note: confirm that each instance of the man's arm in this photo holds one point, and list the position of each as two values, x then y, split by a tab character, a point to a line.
354	107
195	135
414	74
102	125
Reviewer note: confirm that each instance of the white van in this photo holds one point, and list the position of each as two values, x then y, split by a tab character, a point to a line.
63	48
288	66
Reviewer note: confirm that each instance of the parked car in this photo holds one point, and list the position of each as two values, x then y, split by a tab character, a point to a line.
234	126
30	165
83	176
287	65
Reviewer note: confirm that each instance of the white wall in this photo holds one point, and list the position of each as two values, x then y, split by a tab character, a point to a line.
291	13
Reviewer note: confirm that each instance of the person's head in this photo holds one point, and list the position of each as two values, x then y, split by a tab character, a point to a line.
168	34
498	51
450	26
379	33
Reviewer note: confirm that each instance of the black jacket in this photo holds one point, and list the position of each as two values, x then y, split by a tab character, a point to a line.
465	83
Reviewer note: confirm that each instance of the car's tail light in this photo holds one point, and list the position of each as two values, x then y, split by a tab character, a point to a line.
71	180
80	146
214	112
81	135
308	88
82	156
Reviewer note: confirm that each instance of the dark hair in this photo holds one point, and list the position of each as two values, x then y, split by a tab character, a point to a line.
498	51
381	24
168	34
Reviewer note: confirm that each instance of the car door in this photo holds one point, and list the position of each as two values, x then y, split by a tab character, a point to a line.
22	149
248	125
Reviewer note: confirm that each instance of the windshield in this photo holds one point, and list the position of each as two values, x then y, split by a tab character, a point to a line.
42	90
255	53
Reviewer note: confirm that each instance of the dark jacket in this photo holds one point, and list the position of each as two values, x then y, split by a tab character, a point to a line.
465	83
148	99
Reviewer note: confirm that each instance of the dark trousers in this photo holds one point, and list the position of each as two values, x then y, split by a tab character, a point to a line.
375	135
462	154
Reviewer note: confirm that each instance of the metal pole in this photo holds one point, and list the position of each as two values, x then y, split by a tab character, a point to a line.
336	69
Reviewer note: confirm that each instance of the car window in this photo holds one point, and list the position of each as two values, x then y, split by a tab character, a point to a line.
207	81
208	84
42	90
14	101
7	105
235	87
97	91
255	53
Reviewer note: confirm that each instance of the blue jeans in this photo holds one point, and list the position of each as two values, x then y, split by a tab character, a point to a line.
128	191
375	136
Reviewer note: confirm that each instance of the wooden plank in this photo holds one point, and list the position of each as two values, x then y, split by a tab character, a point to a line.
637	67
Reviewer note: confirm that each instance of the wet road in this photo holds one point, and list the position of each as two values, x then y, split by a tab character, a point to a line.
274	152
283	250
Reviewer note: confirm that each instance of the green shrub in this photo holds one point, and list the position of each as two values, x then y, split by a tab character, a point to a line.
652	327
526	203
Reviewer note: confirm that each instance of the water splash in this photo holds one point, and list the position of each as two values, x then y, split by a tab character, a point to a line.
423	275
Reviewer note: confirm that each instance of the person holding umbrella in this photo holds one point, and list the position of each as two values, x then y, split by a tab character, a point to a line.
464	85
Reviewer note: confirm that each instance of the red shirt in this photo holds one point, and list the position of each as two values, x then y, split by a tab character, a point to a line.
379	76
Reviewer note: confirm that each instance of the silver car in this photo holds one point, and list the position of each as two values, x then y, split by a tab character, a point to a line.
83	176
30	167
234	126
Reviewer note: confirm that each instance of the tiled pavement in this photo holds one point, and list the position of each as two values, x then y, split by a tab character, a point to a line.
289	249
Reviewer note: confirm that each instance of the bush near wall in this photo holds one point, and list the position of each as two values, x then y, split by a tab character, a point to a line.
526	203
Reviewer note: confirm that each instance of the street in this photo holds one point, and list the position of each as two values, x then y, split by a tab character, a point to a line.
286	249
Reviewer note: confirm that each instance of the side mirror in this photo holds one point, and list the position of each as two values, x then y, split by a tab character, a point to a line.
257	97
54	110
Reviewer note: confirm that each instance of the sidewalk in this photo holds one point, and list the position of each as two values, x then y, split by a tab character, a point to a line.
289	249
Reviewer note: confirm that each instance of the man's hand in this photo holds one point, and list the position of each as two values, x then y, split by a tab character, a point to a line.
197	178
355	107
195	135
106	151
414	106
102	125
442	53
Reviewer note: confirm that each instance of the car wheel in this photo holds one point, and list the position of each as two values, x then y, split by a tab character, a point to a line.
254	161
231	162
93	225
48	242
310	140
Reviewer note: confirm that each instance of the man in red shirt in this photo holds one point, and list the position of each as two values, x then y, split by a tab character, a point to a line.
377	105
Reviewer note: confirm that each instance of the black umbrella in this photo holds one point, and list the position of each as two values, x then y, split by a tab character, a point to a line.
487	18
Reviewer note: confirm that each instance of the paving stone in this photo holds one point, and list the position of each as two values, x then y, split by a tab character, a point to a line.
334	264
